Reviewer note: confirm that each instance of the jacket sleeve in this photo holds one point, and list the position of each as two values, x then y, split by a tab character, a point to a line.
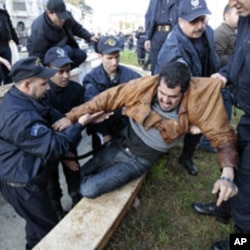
78	30
123	95
12	30
38	139
210	116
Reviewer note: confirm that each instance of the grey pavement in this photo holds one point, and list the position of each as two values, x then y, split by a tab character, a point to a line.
12	228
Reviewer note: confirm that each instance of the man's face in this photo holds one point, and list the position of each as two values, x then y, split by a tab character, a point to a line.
110	62
38	88
61	78
232	18
168	98
242	6
195	28
55	19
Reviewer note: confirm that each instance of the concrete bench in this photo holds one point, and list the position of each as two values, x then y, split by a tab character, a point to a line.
91	223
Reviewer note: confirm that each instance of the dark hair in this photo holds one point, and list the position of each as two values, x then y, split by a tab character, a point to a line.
175	74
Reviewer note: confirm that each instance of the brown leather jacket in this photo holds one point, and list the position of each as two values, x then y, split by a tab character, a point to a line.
202	107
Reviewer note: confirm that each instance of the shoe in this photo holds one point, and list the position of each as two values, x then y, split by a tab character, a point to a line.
188	163
221	214
221	245
208	149
204	208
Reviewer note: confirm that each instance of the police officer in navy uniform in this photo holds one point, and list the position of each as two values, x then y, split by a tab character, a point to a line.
64	94
57	27
29	146
140	50
160	18
108	74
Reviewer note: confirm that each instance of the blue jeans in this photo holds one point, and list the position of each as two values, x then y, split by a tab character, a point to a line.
110	168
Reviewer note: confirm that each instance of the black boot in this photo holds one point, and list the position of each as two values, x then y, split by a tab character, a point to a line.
189	164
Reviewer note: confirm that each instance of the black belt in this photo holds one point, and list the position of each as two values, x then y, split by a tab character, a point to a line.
17	184
165	28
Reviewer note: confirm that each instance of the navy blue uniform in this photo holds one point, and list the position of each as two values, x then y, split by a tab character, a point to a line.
64	99
28	149
141	52
237	73
160	18
94	83
45	35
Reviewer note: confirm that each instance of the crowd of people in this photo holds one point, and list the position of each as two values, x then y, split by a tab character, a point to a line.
197	75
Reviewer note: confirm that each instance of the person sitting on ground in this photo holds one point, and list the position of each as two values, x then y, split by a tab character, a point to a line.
108	74
57	27
161	110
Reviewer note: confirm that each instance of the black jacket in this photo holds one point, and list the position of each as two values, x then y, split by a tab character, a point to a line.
44	35
7	32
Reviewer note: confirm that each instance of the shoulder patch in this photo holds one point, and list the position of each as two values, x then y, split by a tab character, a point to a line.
35	129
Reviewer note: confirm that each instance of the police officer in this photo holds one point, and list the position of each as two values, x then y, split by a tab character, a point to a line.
160	18
108	74
63	95
237	72
140	50
29	146
57	27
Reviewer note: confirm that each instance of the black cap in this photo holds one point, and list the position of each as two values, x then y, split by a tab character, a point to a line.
191	9
57	57
108	45
58	7
29	67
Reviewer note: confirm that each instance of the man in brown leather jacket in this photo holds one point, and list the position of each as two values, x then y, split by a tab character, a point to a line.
161	110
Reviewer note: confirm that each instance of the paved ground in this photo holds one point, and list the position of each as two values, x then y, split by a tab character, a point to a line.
12	228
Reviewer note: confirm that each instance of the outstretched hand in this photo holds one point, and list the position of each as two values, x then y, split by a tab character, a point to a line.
225	190
94	118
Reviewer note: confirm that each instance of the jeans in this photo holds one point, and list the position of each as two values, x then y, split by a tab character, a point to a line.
110	168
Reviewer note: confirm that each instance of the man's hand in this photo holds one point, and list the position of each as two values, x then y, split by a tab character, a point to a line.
61	124
221	77
147	45
194	130
70	164
94	39
224	186
94	118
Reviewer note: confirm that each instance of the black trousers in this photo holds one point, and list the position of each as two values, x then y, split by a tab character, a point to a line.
54	188
241	202
33	205
189	145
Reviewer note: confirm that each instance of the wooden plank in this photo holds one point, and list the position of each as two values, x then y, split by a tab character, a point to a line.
91	223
